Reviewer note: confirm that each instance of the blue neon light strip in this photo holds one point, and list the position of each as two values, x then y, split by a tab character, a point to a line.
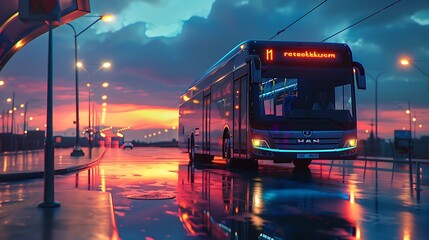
304	151
276	90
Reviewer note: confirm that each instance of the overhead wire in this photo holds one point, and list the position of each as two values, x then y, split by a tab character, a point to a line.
363	19
284	29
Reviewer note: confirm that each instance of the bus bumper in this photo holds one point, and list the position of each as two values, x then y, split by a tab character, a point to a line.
287	156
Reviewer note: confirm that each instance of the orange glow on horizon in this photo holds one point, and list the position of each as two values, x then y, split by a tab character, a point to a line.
140	117
390	120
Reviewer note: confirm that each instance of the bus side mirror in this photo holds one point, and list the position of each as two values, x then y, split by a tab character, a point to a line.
359	73
255	67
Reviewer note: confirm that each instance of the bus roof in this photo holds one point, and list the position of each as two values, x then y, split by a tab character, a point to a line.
252	46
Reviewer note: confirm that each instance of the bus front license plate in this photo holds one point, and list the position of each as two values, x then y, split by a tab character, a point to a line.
307	155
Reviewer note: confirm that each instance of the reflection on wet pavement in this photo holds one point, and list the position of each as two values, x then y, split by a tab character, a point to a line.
330	200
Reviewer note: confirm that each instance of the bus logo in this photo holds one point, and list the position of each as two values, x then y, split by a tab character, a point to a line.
307	133
308	141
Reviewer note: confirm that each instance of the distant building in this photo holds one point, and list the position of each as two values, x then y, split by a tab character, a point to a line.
21	142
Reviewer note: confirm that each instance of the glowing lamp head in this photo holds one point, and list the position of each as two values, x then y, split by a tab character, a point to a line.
106	65
405	61
107	18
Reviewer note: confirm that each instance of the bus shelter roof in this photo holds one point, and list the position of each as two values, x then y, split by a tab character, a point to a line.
15	33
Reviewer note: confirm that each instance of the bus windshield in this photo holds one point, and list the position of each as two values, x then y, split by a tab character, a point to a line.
304	98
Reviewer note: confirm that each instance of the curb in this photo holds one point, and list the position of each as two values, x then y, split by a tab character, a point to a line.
9	177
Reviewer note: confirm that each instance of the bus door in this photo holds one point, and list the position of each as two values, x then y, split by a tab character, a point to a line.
240	118
206	122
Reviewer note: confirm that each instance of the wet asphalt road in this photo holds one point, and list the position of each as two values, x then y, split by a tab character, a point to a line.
330	200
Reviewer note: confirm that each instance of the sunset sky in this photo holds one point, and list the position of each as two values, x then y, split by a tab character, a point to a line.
158	47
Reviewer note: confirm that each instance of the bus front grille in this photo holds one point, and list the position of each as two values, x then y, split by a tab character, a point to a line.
296	140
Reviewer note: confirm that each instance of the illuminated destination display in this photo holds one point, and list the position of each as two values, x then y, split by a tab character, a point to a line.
309	54
301	55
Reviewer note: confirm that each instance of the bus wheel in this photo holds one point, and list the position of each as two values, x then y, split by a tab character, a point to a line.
302	163
227	150
192	150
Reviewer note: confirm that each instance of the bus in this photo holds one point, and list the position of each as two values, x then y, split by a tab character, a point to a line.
274	100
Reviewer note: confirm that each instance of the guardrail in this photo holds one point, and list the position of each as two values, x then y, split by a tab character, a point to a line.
394	161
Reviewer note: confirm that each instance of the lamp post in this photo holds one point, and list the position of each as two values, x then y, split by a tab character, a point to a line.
77	150
89	115
407	61
408	112
376	102
25	106
90	131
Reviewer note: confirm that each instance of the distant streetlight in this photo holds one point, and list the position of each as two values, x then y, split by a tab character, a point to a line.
408	112
106	65
89	116
92	127
77	150
408	61
1	82
25	106
405	61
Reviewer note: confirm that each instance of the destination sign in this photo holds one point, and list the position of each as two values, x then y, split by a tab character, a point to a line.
273	55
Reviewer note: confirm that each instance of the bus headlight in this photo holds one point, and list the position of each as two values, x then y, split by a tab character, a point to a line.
350	143
260	143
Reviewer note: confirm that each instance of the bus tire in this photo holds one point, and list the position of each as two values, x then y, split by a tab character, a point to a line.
302	163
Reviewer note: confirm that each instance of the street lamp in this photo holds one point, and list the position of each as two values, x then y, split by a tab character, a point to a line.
376	102
408	112
92	129
25	105
407	62
89	115
77	150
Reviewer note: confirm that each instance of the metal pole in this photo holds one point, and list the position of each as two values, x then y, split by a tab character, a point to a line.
13	111
409	151
25	117
418	176
89	119
415	126
77	150
12	144
48	196
376	107
2	121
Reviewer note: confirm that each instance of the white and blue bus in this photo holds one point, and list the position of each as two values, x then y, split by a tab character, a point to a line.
273	100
